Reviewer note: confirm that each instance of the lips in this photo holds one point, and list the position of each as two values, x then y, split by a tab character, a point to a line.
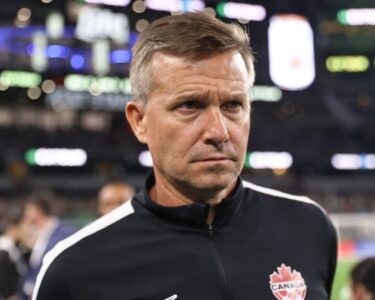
214	158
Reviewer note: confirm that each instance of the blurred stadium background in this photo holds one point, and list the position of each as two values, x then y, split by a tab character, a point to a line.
64	82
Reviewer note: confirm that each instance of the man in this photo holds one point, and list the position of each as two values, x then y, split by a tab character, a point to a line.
112	195
196	231
363	280
47	230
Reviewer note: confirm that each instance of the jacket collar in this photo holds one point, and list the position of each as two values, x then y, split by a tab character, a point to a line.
192	216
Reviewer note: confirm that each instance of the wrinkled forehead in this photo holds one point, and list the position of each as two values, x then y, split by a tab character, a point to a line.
228	65
167	58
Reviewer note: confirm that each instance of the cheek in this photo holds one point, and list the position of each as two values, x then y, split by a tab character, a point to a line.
169	143
161	140
240	135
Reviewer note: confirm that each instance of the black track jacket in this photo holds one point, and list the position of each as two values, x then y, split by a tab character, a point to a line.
262	244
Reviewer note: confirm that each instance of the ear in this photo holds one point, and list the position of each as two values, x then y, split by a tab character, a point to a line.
135	114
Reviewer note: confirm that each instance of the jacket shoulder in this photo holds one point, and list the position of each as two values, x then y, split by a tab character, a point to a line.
54	256
268	192
280	205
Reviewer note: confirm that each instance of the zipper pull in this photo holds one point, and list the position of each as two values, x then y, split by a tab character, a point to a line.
210	231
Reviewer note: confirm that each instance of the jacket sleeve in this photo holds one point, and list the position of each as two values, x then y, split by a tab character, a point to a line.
51	283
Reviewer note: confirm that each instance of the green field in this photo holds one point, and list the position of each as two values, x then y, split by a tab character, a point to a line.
341	283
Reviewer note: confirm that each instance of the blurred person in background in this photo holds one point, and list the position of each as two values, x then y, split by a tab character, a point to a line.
363	280
112	195
12	265
46	230
196	231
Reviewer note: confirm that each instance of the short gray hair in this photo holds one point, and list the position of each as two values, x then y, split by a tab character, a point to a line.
191	36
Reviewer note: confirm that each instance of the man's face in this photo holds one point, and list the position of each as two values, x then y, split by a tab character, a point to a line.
196	121
31	214
359	292
112	196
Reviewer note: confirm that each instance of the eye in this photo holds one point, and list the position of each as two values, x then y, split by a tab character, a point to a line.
233	105
189	105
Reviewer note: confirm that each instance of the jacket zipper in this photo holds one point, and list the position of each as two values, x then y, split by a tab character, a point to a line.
218	262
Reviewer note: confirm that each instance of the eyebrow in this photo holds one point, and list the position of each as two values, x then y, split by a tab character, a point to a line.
196	95
237	95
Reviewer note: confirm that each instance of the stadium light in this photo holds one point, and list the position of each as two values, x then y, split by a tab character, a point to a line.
21	79
109	2
106	84
243	11
269	160
145	159
353	161
356	16
56	157
265	93
175	5
347	63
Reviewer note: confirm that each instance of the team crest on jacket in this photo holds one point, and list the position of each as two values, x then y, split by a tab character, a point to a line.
287	285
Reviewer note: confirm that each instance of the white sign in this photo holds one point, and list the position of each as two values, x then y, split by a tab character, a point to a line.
291	52
96	24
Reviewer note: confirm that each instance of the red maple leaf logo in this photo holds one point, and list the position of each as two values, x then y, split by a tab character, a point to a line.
286	284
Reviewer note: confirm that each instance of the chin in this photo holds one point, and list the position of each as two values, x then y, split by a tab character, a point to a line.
214	182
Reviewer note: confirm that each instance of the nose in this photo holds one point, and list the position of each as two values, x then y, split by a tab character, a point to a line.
216	132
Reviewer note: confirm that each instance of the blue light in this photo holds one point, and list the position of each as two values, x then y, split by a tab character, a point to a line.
77	61
29	49
53	51
185	5
133	38
120	56
57	51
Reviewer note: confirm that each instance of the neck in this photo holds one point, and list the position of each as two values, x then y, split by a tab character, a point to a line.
168	194
211	214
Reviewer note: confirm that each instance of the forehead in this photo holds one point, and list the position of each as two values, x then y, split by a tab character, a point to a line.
227	70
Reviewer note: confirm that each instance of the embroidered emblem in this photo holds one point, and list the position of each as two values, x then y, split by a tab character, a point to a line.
287	285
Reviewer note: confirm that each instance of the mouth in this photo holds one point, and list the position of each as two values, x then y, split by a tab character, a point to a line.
215	158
